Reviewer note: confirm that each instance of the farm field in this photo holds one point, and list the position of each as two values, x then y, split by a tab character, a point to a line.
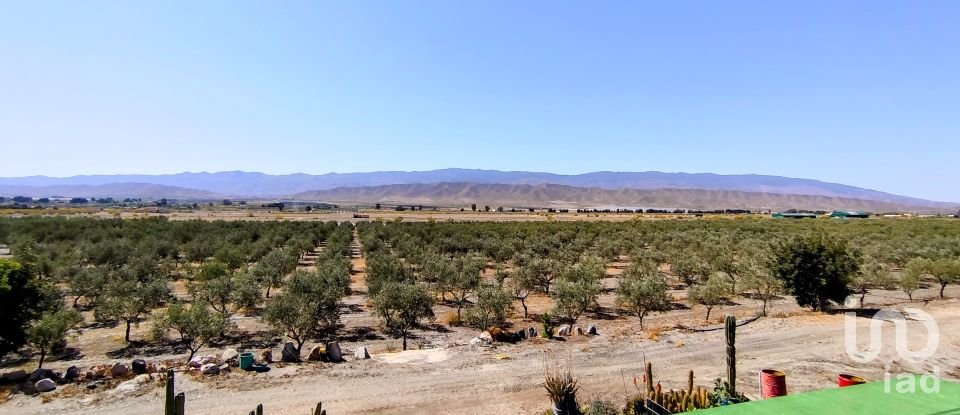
442	372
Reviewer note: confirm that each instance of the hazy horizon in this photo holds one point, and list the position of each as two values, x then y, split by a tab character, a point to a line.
846	93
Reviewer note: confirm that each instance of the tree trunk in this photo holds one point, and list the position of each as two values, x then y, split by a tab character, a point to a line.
459	306
43	356
268	291
942	286
764	311
126	336
524	304
76	300
641	320
192	353
709	309
404	340
863	294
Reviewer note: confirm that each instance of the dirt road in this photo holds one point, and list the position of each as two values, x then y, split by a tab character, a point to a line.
457	380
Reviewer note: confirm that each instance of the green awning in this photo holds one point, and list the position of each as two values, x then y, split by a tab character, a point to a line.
867	399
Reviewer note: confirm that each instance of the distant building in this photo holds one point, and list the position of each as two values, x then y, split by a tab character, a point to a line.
794	215
850	214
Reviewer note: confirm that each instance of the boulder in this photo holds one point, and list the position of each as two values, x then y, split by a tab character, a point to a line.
139	366
486	336
45	385
94	384
224	368
531	332
290	353
563	331
361	353
40	374
520	335
334	354
579	331
266	356
210	369
592	330
229	355
16	376
118	369
72	374
133	384
317	354
196	362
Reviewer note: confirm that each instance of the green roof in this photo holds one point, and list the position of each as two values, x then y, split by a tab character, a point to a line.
867	399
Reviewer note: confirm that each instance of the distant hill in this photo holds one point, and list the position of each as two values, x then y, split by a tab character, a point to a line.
114	190
561	196
258	184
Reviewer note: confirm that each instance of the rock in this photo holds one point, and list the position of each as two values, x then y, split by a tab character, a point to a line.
361	353
531	332
592	330
290	353
486	336
224	368
139	366
579	331
563	331
229	355
45	385
317	354
522	334
118	369
132	384
266	356
94	384
16	376
334	354
210	369
40	374
72	374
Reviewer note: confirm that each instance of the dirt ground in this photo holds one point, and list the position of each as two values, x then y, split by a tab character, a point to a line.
442	374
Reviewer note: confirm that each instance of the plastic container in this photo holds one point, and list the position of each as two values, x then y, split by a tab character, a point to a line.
246	360
773	383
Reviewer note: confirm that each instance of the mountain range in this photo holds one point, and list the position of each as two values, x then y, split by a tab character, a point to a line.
515	188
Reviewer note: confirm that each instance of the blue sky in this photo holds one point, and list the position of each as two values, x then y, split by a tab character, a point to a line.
864	93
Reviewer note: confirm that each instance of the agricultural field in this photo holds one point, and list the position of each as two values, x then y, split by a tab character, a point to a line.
439	306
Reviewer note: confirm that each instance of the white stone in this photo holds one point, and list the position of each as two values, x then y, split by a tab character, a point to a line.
229	354
45	385
361	353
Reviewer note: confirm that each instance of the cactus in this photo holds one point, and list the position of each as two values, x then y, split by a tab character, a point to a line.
319	410
730	329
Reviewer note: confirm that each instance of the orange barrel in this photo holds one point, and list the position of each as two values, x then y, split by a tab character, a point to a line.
773	383
844	380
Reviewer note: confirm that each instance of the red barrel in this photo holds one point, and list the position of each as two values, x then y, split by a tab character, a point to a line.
773	383
844	380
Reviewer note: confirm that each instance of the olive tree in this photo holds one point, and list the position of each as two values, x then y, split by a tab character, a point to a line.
491	308
402	306
51	329
577	289
132	292
946	271
643	290
310	304
195	325
522	283
816	269
713	292
463	280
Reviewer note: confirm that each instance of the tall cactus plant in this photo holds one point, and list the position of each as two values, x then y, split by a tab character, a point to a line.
730	329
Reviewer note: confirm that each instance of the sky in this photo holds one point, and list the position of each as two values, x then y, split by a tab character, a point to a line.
865	93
